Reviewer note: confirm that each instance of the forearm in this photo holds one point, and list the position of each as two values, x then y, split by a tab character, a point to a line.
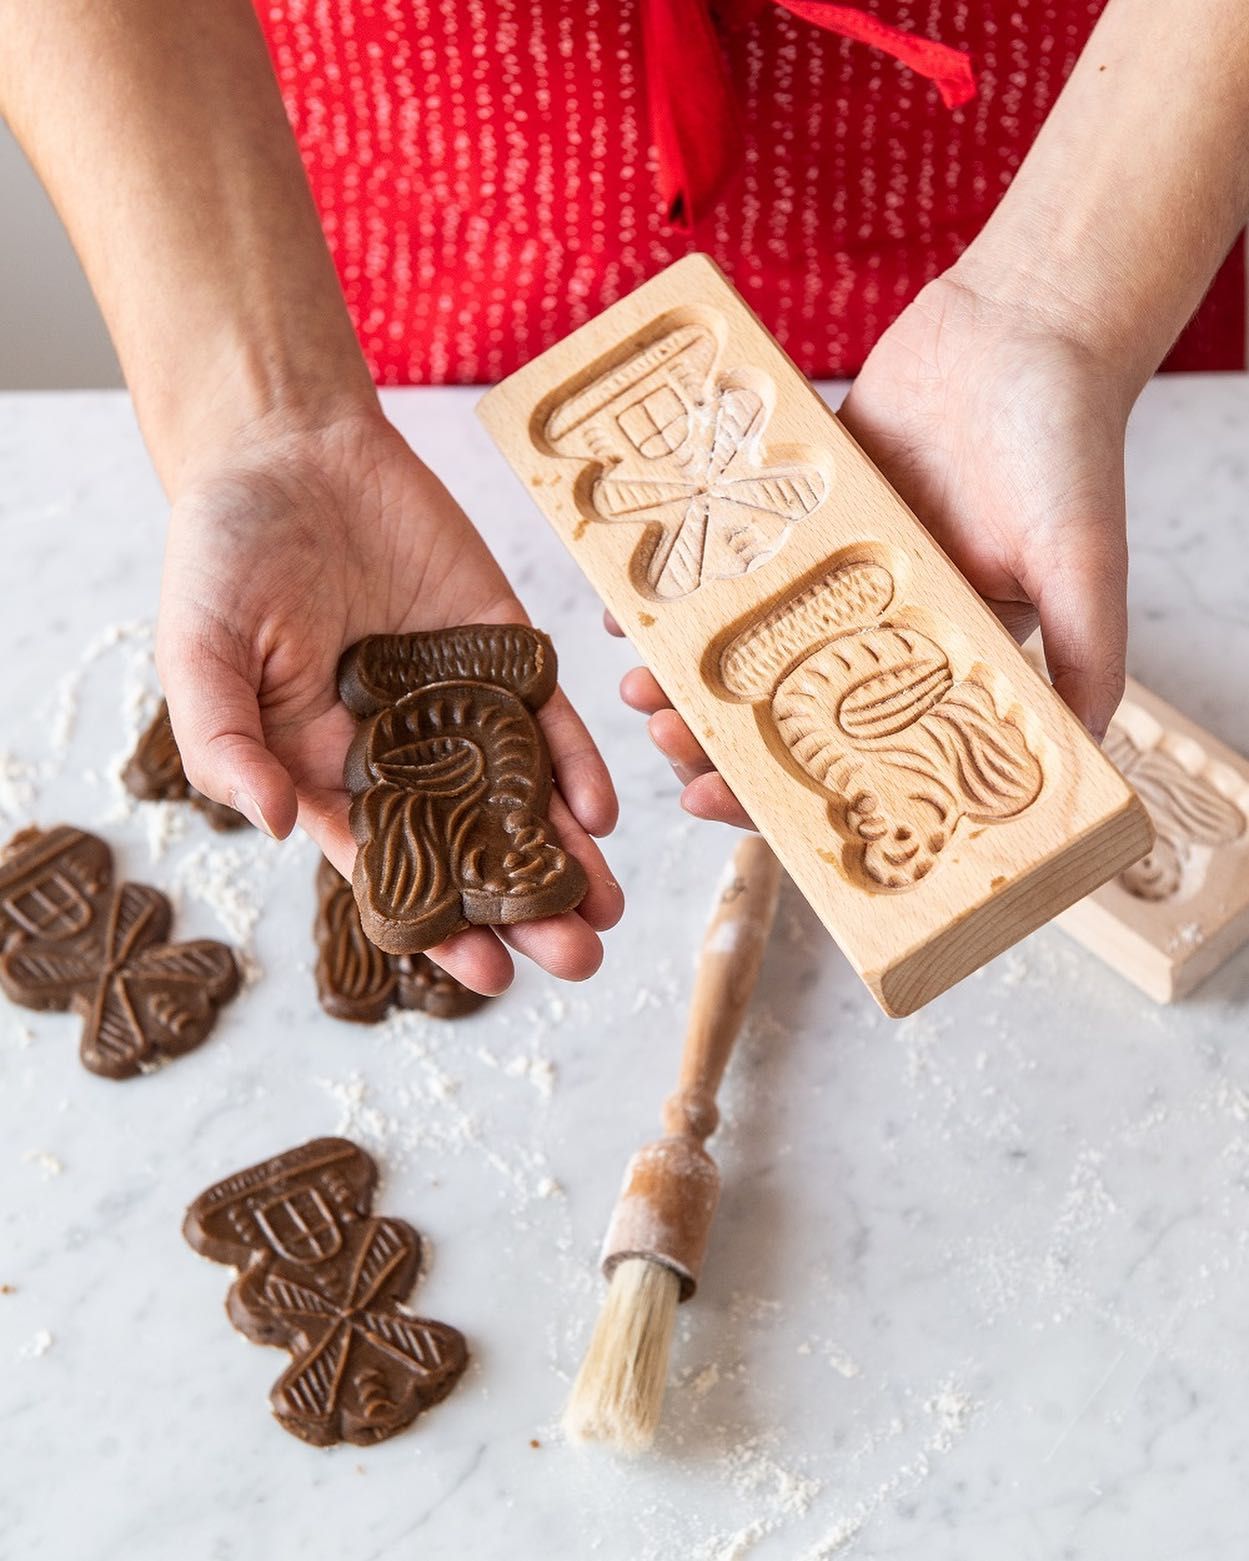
1136	186
159	132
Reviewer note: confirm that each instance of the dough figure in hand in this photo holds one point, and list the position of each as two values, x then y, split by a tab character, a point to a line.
450	779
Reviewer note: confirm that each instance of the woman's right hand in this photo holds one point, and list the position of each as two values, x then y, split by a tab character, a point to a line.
291	542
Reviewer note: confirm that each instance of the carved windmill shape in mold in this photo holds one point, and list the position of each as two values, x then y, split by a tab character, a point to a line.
679	451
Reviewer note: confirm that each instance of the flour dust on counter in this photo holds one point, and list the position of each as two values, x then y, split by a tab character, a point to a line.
976	1275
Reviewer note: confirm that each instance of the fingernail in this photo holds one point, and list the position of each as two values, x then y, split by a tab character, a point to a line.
243	802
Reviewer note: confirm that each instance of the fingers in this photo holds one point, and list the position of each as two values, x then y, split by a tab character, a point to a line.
678	745
1019	619
706	794
641	691
216	724
323	816
709	797
476	958
579	769
612	627
565	946
603	905
1082	598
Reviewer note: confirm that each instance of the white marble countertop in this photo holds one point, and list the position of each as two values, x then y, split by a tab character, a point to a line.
979	1285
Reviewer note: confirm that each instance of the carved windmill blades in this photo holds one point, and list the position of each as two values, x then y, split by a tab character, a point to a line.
932	799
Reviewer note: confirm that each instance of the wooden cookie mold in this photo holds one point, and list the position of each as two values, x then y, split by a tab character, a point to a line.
1172	918
929	795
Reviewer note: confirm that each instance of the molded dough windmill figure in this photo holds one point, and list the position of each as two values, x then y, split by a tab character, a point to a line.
681	450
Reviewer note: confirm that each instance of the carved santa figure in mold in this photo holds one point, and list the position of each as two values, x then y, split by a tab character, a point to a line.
1190	817
680	451
323	1277
871	712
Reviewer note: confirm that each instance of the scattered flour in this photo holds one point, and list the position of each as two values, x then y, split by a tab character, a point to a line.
47	1163
166	822
540	1071
18	787
1188	935
702	1383
230	880
67	693
422	1118
953	1411
39	1345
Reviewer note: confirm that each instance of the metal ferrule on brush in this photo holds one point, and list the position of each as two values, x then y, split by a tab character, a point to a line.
665	1209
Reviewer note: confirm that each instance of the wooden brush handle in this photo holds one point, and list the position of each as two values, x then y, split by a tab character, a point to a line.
728	967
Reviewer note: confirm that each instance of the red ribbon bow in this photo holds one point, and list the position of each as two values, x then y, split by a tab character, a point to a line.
693	110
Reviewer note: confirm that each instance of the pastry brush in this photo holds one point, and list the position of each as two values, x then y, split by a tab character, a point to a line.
658	1233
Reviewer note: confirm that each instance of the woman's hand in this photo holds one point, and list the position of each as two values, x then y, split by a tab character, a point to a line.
1006	438
280	555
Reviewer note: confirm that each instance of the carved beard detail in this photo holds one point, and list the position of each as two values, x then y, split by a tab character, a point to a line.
450	787
1186	810
877	719
872	714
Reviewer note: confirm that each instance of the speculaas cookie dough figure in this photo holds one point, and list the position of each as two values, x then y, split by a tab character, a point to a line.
361	983
154	773
450	780
71	939
323	1277
53	883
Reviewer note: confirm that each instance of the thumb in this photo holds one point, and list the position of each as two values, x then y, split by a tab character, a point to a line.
216	724
1081	595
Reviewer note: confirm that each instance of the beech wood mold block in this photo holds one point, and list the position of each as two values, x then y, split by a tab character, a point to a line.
930	796
1172	918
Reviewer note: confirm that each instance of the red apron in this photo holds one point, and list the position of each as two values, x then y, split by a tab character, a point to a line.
492	173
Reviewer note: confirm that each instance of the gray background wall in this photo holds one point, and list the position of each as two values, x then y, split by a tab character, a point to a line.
51	333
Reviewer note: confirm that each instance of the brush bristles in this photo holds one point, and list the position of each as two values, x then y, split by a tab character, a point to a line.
619	1392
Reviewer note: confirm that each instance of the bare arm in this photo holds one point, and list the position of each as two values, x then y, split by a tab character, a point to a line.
997	402
159	132
301	520
1136	187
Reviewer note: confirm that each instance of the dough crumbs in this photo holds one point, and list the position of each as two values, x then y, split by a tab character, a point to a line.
47	1163
34	1348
